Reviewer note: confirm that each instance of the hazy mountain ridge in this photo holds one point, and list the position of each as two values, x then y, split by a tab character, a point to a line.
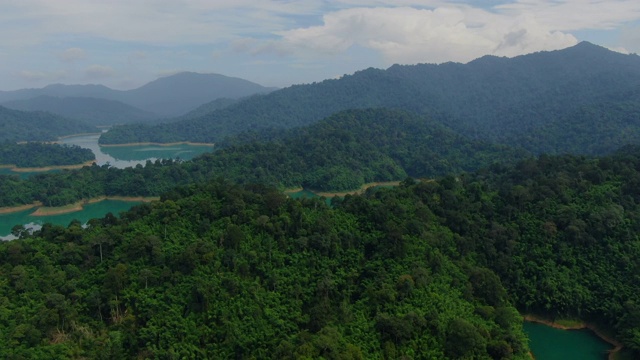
94	111
491	98
18	125
166	97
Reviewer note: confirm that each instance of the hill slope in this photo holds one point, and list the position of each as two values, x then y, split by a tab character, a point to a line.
18	125
491	98
354	147
90	110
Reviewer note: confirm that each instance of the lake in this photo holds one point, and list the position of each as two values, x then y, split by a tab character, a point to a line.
132	155
91	211
548	343
117	156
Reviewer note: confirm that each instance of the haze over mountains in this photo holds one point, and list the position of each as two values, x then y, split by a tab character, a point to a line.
18	125
165	97
515	101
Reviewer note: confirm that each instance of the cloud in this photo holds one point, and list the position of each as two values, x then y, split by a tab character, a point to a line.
571	15
410	35
99	72
72	54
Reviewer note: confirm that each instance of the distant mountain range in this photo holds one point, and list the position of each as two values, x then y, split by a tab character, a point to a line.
515	101
93	111
162	98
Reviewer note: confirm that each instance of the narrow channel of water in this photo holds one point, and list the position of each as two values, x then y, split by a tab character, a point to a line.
548	343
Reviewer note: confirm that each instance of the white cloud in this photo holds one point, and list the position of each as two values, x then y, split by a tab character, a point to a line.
410	35
72	54
140	37
571	15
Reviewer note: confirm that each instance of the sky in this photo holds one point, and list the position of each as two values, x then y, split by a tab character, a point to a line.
124	44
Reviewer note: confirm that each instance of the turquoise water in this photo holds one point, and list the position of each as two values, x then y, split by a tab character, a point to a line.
91	211
548	343
120	157
126	156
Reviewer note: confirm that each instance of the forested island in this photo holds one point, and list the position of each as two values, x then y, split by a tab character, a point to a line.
36	154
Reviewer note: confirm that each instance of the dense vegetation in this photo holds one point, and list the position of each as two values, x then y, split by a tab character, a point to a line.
526	100
18	125
339	153
97	112
219	271
34	154
352	148
429	269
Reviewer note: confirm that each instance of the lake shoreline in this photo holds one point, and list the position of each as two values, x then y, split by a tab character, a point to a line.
47	168
79	205
158	144
331	194
577	325
42	210
15	209
74	135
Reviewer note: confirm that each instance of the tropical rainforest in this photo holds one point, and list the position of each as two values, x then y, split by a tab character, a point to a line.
35	154
515	198
342	152
430	269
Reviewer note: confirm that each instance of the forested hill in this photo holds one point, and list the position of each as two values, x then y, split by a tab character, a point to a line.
94	111
354	147
18	125
429	270
342	152
491	98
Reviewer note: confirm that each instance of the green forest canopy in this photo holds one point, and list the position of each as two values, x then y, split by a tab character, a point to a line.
35	154
432	269
341	152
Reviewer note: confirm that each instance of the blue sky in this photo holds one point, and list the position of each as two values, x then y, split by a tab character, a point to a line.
126	43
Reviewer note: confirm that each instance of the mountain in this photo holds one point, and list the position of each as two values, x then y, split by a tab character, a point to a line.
166	97
90	110
18	125
60	90
491	98
177	94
